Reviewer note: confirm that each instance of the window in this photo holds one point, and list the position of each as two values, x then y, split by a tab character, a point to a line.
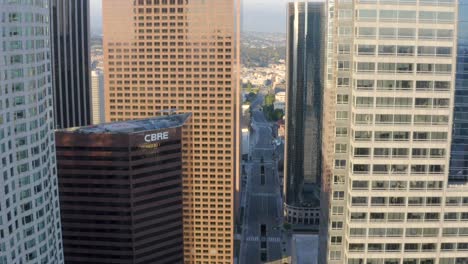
404	67
341	148
342	98
341	115
406	15
405	50
366	32
344	49
336	240
361	168
444	34
367	14
360	185
426	33
343	65
386	67
443	68
338	179
426	51
365	66
441	85
406	33
359	201
387	33
341	132
444	51
335	255
358	217
343	81
337	225
363	135
366	49
427	16
364	119
362	152
387	50
340	164
445	16
383	135
365	84
388	14
364	102
338	195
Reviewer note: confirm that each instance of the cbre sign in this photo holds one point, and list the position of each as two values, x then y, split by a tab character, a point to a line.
156	137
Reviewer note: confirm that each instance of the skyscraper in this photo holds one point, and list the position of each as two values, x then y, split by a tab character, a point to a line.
29	211
459	157
97	96
177	55
121	191
305	72
392	79
71	62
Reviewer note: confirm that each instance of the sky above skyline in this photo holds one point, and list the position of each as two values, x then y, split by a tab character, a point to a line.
257	15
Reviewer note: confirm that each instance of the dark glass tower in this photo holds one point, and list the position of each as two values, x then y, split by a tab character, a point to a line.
71	72
120	188
305	68
459	155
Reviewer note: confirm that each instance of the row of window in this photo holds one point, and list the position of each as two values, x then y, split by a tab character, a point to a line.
405	15
393	119
395	201
399	136
399	102
408	247
408	260
365	169
398	153
404	50
409	2
394	185
390	67
399	85
398	33
410	217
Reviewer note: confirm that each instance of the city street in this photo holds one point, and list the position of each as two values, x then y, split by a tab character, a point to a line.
261	236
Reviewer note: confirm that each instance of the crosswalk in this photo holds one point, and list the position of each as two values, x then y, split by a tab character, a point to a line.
269	239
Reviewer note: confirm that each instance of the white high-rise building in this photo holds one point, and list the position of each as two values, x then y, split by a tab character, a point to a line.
30	230
391	83
97	97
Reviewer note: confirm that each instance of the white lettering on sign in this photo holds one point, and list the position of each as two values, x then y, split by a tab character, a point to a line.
157	137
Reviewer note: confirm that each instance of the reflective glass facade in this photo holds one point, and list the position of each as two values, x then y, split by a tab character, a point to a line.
306	31
71	67
459	157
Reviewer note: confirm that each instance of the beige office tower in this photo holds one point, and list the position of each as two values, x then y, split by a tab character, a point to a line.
391	91
163	56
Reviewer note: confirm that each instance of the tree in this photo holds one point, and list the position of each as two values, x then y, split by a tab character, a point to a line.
249	87
278	114
269	99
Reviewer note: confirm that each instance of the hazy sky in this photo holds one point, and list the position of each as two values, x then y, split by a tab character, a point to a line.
257	15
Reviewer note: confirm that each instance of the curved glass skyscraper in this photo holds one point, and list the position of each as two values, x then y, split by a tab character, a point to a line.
306	39
29	209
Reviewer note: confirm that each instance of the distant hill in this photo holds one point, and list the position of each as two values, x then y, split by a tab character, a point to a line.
261	49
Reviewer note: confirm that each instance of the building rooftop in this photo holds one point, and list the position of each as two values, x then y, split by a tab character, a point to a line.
305	249
133	126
